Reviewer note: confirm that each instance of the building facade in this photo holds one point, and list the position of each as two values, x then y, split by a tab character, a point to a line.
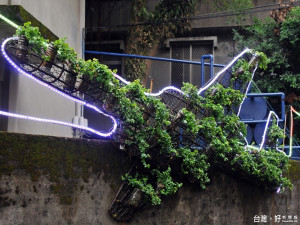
107	24
102	25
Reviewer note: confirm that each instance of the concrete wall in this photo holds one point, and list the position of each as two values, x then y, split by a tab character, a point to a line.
29	197
65	18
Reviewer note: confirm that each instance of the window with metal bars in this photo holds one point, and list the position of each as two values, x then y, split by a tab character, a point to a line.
192	51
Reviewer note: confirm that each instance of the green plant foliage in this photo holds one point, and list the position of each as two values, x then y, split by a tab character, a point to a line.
261	37
279	40
222	130
142	183
33	36
266	166
289	30
232	4
195	164
148	132
160	24
65	53
274	133
166	185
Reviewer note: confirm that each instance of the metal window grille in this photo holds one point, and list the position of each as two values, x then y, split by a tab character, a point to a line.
182	72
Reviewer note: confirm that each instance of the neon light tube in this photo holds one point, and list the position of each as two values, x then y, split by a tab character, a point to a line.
9	21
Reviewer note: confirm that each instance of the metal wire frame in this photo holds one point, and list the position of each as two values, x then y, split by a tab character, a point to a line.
120	209
58	74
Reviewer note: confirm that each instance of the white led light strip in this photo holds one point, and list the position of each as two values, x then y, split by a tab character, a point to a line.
201	89
19	116
264	139
266	129
125	82
223	70
264	136
102	134
211	82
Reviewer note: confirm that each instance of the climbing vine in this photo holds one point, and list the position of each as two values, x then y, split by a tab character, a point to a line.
151	133
159	24
168	19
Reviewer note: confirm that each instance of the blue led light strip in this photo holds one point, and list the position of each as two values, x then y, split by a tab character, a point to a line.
102	134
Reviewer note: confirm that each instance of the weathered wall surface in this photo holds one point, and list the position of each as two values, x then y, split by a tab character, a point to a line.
47	180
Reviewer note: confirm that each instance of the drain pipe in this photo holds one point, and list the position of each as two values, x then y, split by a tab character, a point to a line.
79	109
79	120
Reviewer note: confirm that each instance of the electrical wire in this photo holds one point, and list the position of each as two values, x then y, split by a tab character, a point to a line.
229	13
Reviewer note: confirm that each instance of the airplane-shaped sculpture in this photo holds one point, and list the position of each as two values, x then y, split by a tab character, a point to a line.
65	82
57	76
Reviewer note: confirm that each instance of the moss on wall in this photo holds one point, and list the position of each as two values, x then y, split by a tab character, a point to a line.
67	162
62	160
294	170
20	16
